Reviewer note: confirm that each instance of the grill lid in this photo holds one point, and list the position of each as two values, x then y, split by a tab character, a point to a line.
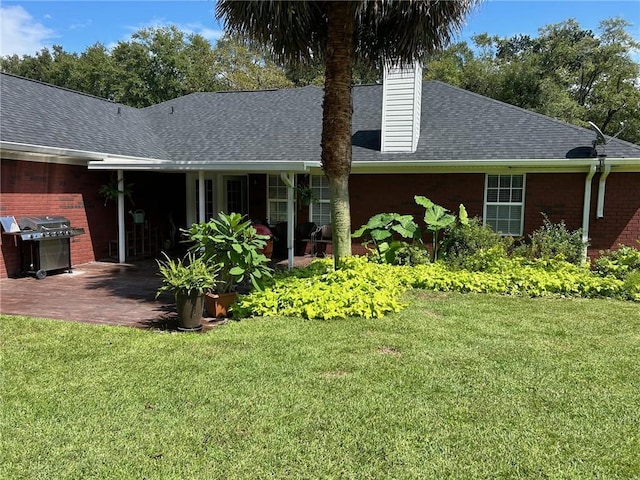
46	222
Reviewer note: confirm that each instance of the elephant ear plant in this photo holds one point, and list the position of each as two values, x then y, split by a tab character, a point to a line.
437	218
233	245
382	231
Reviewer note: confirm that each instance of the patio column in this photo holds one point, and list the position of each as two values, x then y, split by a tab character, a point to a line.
122	253
289	180
201	196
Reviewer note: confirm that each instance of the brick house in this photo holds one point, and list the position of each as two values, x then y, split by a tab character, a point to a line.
193	156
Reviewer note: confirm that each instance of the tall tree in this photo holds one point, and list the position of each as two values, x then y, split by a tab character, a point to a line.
239	65
566	72
342	32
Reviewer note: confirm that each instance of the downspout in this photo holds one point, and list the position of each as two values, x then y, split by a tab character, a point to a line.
586	207
121	228
601	187
289	179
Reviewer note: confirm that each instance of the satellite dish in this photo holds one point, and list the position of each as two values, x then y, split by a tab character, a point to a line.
600	140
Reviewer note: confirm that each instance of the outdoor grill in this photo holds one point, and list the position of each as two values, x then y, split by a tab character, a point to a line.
45	242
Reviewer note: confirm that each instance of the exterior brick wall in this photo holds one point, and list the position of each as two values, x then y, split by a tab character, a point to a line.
559	196
32	188
621	222
378	193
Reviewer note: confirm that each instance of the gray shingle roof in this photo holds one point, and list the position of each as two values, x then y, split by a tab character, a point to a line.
284	125
39	114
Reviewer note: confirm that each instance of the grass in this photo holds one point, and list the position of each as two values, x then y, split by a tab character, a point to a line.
455	386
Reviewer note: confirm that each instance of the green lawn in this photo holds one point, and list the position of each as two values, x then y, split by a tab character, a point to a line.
454	386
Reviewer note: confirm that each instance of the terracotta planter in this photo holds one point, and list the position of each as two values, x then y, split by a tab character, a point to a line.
218	304
267	251
190	308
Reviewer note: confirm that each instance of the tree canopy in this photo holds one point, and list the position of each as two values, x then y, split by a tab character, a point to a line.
567	72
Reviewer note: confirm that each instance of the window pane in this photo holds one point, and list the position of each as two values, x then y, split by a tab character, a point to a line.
321	213
492	195
517	181
516	195
277	189
503	211
492	212
492	181
505	196
277	212
502	226
505	181
320	187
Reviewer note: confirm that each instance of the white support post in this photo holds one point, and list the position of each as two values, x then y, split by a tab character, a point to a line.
122	253
201	197
289	180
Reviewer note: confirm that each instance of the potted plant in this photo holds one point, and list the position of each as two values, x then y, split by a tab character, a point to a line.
189	279
234	246
305	195
110	191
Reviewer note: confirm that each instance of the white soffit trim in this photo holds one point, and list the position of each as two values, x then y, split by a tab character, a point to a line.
112	163
483	165
43	153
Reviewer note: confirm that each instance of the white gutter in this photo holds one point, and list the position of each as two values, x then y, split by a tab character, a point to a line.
257	166
601	189
69	152
586	207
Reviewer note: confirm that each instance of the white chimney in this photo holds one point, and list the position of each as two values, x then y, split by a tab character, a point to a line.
401	102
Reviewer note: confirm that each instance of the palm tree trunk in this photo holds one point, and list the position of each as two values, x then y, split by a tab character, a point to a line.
336	121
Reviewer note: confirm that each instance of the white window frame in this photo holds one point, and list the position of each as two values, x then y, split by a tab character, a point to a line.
278	200
498	203
322	199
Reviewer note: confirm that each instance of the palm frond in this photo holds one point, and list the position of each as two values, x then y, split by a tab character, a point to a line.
296	31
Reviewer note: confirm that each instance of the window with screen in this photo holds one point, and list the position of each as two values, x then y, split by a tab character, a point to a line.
504	203
276	200
320	209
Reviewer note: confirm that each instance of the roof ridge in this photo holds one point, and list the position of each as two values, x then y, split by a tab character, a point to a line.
65	89
528	112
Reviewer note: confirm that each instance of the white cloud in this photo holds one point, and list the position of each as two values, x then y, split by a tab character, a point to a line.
20	33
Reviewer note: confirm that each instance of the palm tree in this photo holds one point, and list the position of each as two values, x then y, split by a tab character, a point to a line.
341	32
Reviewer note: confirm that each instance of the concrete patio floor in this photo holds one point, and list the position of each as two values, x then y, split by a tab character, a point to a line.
101	293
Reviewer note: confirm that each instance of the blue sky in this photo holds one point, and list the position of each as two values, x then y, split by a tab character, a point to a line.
27	26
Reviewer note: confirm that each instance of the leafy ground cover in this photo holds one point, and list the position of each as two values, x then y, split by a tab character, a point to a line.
453	386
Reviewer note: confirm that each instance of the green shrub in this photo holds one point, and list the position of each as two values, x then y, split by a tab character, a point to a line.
618	263
371	290
554	240
413	254
359	288
632	285
460	241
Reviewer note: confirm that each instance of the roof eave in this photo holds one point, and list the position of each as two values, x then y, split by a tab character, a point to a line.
254	166
483	165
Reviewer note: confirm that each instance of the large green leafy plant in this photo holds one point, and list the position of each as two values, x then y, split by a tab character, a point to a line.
188	276
438	218
231	244
385	234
